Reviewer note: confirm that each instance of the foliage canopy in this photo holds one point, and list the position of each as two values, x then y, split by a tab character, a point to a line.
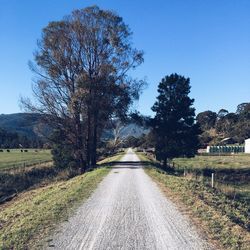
174	127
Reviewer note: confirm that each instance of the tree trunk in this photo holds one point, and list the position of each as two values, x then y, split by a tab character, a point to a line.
79	143
88	141
94	144
82	164
165	162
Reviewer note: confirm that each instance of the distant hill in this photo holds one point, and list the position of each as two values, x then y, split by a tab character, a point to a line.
131	129
27	124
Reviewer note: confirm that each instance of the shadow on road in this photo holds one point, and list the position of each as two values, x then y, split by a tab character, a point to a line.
126	164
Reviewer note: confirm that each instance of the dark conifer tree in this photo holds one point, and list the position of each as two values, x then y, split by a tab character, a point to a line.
174	128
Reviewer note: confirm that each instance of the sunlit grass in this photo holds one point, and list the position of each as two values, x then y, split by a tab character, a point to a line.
15	158
237	161
34	213
224	219
113	158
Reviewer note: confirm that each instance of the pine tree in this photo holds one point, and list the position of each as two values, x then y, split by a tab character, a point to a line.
174	128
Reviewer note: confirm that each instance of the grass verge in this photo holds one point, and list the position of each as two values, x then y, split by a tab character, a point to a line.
111	159
17	180
32	215
35	212
223	220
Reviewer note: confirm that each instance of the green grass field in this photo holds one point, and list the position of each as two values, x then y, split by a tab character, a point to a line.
237	161
232	173
15	158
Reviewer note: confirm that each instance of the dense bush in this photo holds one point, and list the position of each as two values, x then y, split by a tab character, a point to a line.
62	151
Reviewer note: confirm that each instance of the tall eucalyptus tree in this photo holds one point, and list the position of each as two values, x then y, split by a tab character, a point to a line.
82	66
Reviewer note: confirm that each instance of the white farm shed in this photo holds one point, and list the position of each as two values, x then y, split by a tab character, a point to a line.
247	146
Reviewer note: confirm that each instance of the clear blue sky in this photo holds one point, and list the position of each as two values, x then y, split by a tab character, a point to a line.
206	40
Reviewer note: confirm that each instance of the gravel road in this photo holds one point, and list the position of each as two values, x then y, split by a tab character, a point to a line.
127	211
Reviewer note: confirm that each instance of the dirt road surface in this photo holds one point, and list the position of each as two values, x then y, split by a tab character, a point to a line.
127	211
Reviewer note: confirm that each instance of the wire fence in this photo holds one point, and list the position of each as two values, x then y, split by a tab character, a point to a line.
232	182
24	165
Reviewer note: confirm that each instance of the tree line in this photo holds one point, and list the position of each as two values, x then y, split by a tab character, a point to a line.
16	140
235	126
175	131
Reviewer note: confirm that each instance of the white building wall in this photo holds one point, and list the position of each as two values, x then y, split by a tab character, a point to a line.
247	146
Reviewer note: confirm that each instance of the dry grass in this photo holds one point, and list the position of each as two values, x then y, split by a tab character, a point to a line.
232	173
223	220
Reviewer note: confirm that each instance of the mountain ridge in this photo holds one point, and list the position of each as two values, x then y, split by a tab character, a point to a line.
27	124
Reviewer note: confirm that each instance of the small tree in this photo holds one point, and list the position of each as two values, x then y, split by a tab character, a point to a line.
116	127
174	128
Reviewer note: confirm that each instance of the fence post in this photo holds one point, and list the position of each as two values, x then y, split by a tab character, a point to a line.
212	180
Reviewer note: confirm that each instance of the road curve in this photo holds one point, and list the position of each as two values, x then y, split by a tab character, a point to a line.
127	211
